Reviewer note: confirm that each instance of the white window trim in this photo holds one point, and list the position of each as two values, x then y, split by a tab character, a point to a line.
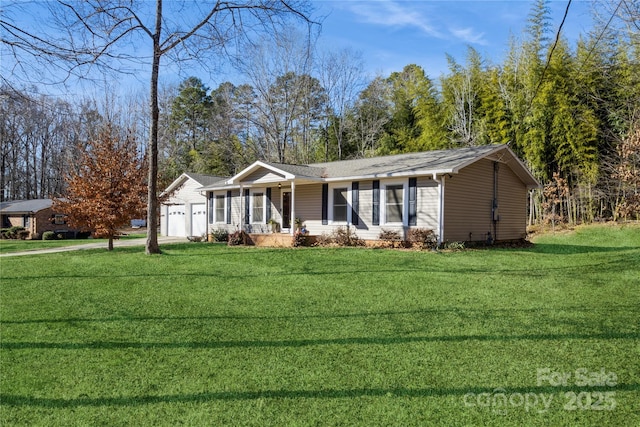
217	220
405	202
332	187
264	204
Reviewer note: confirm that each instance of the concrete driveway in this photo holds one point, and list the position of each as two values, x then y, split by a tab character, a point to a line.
97	245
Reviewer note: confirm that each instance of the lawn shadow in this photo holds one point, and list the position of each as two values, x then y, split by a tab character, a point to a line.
354	393
563	249
213	345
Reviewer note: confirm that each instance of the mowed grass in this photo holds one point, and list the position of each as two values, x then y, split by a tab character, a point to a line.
211	335
11	245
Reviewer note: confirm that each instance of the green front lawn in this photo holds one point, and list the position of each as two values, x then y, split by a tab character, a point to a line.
211	335
11	245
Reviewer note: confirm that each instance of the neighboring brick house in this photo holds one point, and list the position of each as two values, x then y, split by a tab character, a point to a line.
36	216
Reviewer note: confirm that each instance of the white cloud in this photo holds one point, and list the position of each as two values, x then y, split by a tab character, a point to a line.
393	14
468	35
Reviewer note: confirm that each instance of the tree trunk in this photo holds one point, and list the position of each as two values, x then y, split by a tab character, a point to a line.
152	203
110	246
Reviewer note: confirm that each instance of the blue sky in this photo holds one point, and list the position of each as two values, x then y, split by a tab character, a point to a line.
392	33
389	33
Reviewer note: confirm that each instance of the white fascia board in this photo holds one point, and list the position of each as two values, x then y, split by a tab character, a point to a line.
475	159
417	173
218	187
177	182
255	166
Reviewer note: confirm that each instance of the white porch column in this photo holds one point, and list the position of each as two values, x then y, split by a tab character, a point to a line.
292	229
241	225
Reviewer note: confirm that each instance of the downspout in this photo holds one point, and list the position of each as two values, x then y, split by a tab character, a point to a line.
292	220
494	207
441	210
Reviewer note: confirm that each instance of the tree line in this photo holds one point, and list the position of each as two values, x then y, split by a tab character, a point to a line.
572	113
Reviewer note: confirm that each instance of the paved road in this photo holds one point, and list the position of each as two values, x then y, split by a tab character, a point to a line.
101	245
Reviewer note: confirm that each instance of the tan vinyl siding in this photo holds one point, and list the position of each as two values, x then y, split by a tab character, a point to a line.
236	212
512	205
308	207
276	201
188	193
428	204
468	204
262	176
364	229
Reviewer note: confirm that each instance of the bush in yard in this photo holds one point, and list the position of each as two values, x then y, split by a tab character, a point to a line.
424	238
239	237
23	234
13	232
341	236
49	235
300	239
324	240
454	246
390	238
220	235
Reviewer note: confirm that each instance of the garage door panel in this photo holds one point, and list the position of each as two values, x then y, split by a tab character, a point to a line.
176	221
198	219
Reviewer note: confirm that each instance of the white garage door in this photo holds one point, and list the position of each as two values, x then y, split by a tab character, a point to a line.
176	221
198	219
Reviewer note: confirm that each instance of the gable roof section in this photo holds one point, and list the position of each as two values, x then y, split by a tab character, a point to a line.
205	179
288	172
437	162
25	206
202	180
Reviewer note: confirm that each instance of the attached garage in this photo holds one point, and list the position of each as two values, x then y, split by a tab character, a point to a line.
183	213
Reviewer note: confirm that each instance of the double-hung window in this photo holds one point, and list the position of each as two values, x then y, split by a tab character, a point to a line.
220	208
257	208
394	203
340	204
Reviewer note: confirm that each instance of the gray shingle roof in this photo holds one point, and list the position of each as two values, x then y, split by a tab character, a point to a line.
301	171
425	162
410	164
205	179
25	206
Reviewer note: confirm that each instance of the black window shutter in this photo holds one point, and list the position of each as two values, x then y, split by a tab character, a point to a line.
211	207
376	202
228	206
325	204
246	206
355	202
268	204
413	201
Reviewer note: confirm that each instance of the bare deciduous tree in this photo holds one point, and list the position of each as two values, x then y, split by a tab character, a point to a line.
342	76
109	34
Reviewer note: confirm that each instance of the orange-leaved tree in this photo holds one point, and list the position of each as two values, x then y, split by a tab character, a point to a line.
109	186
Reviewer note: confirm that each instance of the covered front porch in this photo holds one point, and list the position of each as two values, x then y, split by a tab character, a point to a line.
263	201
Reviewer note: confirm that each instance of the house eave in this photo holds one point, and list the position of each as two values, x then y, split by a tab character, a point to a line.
236	179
